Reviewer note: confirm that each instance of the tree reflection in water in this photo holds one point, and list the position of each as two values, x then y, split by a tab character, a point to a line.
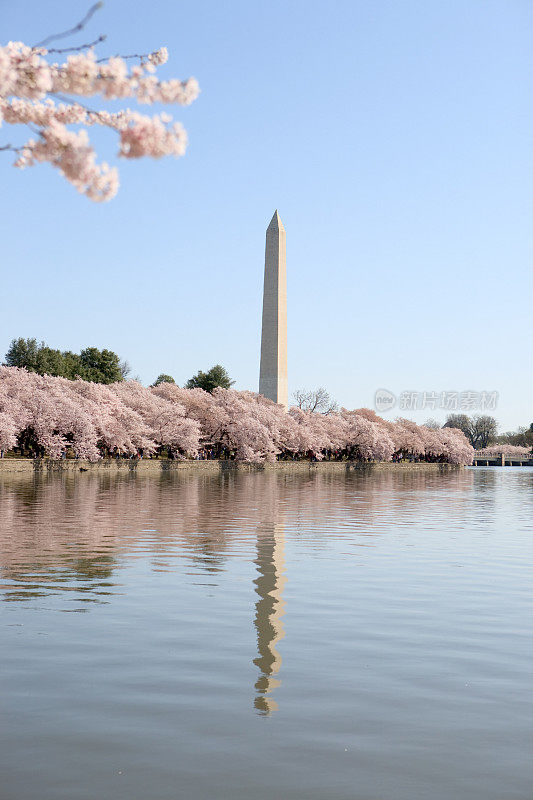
74	534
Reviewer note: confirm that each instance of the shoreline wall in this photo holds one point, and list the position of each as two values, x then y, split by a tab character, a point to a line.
149	466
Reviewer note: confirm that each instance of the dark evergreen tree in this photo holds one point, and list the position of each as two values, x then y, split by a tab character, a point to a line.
99	366
216	376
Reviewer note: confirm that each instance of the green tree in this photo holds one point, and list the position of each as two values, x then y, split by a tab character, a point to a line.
163	379
72	366
216	376
99	366
23	353
50	362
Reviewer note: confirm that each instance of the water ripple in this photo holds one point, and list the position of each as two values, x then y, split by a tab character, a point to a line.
353	637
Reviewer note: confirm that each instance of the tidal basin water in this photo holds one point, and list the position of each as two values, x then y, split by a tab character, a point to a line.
360	637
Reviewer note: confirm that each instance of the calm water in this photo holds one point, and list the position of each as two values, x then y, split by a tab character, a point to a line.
262	636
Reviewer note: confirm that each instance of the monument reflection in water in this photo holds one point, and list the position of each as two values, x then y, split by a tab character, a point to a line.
269	611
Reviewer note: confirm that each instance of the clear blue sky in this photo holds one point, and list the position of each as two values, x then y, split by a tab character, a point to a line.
396	140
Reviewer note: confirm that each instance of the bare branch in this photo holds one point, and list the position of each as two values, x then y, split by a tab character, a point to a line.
11	148
101	38
317	401
93	9
300	397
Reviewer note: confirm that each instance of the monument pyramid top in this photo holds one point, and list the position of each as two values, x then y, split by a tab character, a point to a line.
275	222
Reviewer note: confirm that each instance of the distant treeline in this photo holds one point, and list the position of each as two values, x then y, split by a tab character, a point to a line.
96	366
482	431
91	364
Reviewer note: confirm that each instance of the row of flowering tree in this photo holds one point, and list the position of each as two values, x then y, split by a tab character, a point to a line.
48	416
510	450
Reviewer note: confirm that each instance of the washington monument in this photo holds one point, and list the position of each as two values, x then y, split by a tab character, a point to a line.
273	372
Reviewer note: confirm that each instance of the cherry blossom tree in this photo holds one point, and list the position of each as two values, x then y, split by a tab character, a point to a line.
47	96
199	405
167	425
367	439
312	433
8	432
243	428
121	430
13	416
455	447
51	416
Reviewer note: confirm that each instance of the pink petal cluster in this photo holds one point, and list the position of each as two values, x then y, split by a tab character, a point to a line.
75	159
158	57
29	84
126	418
144	135
83	75
24	72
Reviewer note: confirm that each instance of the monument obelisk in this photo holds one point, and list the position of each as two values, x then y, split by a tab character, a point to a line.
273	372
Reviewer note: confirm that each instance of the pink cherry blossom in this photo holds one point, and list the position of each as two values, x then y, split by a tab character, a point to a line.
52	415
30	86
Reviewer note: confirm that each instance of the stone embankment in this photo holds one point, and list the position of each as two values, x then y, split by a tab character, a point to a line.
152	466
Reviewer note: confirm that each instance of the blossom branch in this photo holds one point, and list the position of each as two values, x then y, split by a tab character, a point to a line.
87	46
29	86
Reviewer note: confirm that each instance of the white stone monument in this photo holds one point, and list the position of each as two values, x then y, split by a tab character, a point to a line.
273	372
